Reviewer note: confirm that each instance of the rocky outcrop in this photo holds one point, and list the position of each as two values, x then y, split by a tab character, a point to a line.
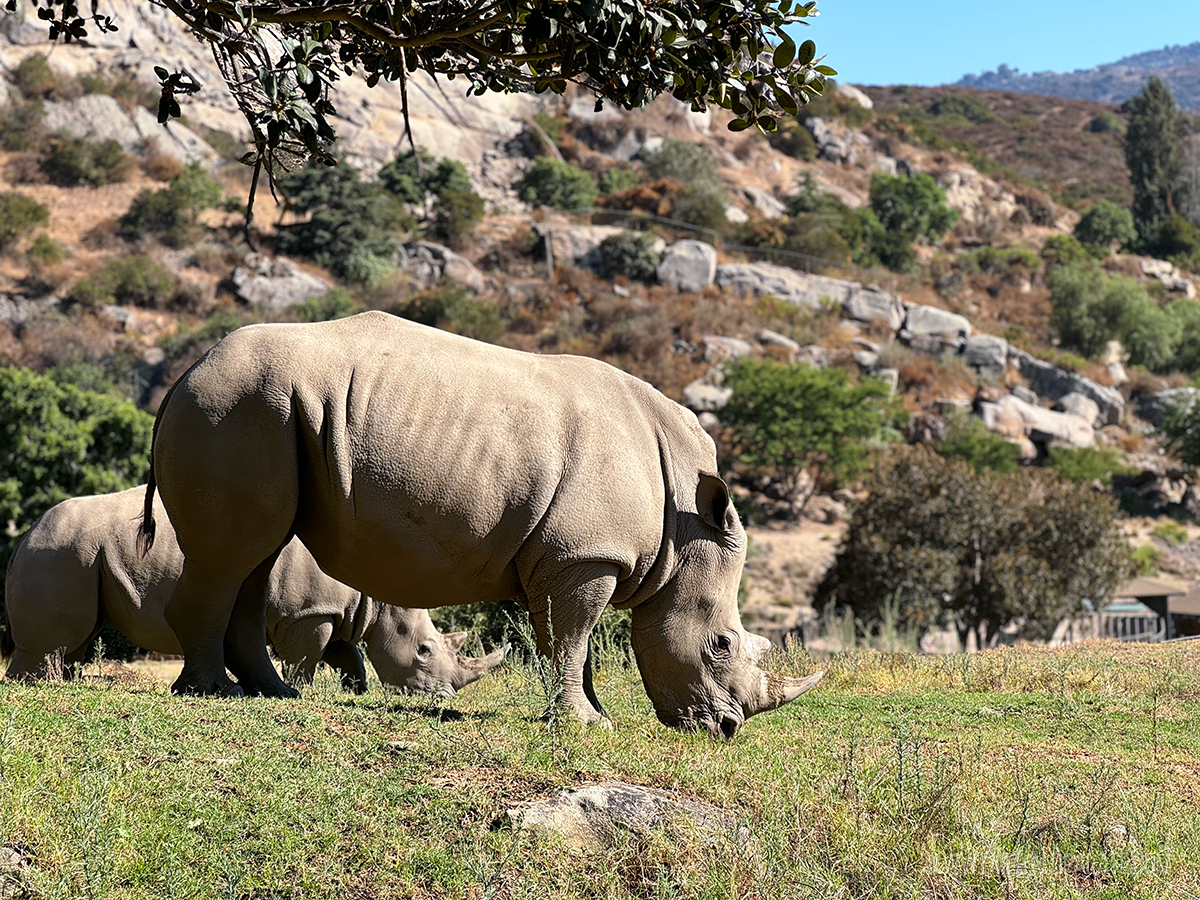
1169	277
1080	406
976	197
429	263
769	338
689	266
1049	381
986	354
858	302
872	304
700	396
594	817
835	141
99	117
1014	418
275	283
1154	407
719	347
930	321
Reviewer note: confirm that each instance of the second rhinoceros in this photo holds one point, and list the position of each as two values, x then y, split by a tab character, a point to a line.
79	566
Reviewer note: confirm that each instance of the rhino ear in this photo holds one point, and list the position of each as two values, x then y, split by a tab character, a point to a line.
712	501
456	639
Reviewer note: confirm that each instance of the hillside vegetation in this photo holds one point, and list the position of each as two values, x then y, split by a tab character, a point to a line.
1012	773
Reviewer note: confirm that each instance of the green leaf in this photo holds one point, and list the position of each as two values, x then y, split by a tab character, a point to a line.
827	70
739	124
785	53
303	74
807	51
787	101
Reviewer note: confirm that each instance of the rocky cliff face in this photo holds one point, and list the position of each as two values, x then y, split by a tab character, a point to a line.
472	130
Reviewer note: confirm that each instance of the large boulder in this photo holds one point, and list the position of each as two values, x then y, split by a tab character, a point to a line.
1154	407
1014	418
1049	381
275	283
689	266
720	347
759	279
986	353
594	817
700	396
1079	405
872	304
769	338
930	321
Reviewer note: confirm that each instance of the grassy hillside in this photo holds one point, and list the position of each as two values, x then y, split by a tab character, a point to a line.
1014	773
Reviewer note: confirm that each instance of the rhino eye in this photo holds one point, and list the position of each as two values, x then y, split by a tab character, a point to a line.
424	650
723	644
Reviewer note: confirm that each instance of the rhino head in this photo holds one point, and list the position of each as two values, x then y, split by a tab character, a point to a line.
698	664
409	653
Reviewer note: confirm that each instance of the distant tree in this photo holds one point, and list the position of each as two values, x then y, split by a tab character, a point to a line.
413	177
975	551
1152	154
1106	227
1181	428
19	216
58	441
804	427
171	213
909	209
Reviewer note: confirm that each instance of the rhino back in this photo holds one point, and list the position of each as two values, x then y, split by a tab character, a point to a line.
437	470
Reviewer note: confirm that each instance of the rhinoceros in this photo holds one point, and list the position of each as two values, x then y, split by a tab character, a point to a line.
428	469
79	566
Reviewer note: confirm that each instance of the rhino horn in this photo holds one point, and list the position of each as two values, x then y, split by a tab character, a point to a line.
472	668
779	689
757	647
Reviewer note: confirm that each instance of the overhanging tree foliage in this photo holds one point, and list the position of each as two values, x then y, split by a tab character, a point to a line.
975	551
280	58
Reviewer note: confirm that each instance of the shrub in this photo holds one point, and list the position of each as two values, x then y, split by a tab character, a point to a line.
908	209
561	185
689	164
45	250
804	427
618	178
964	106
171	213
703	207
1063	250
1170	532
793	139
1087	464
34	78
969	440
136	280
337	304
21	126
1181	428
413	177
1000	260
19	216
1106	226
1106	123
1176	237
69	161
1146	559
453	309
456	216
631	254
345	214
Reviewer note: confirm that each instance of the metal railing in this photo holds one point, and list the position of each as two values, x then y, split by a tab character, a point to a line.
1142	627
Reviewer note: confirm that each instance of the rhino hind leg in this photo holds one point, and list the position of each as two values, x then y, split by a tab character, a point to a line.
198	612
246	637
347	661
563	613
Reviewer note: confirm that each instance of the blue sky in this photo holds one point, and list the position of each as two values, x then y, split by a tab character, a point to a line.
939	41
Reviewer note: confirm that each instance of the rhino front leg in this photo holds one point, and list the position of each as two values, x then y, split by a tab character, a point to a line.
564	611
347	661
301	644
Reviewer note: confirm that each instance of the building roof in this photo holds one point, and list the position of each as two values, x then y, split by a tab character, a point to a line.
1152	587
1187	605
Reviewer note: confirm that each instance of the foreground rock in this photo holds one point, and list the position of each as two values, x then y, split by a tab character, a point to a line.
689	266
593	818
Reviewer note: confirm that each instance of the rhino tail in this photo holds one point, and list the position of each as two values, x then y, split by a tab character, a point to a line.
146	530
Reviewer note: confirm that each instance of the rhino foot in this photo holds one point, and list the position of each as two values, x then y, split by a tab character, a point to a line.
281	691
583	713
201	686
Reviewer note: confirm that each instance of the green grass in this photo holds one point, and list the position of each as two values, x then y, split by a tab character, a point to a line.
1014	773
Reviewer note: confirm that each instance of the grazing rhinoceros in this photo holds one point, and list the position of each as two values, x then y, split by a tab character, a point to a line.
424	468
79	566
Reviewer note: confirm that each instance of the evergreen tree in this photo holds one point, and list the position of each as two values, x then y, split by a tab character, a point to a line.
1152	154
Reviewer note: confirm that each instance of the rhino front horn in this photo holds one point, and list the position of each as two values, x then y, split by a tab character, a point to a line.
779	689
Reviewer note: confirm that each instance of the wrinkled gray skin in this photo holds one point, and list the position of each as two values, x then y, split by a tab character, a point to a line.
79	566
424	469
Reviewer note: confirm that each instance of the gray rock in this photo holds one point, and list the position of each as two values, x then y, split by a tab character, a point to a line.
708	422
986	353
814	355
760	279
766	203
835	141
864	344
593	817
15	311
700	396
1015	418
122	315
866	359
734	215
429	263
930	321
1079	405
1117	373
275	283
719	347
576	244
890	377
1154	407
769	338
689	266
1053	383
1023	393
871	304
